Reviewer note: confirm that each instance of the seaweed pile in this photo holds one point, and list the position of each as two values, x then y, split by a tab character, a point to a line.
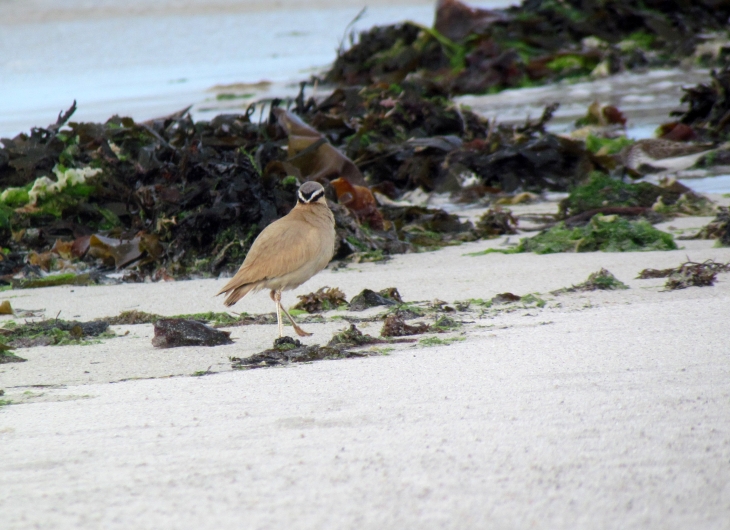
708	113
174	198
471	50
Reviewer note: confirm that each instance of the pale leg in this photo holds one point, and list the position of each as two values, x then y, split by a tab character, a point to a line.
276	297
299	331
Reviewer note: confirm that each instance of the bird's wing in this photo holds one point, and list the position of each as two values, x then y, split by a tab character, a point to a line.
281	248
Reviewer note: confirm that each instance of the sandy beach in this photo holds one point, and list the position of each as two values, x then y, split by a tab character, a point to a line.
564	410
604	409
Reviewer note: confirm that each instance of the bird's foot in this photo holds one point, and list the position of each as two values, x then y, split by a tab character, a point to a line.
299	331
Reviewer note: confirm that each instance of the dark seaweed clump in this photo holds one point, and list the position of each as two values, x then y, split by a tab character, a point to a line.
708	111
471	50
688	274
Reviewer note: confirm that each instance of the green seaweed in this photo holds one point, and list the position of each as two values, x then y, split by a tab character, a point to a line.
602	190
608	233
607	146
438	341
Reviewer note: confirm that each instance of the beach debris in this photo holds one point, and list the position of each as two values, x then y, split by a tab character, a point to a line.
688	274
134	317
602	280
369	298
53	332
395	326
505	298
311	154
175	332
283	354
718	228
496	222
472	50
608	233
708	106
7	356
324	299
445	324
52	280
360	201
287	350
607	195
351	337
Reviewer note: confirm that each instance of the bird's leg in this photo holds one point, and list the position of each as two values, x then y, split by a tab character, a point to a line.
298	330
276	297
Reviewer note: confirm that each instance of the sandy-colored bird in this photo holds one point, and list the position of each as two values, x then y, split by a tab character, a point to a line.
288	252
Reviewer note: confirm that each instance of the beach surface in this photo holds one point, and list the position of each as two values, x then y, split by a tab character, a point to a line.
595	410
605	409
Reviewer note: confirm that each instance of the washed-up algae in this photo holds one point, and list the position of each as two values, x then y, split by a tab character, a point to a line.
368	298
395	326
344	344
607	233
53	332
708	106
287	350
602	193
718	228
176	198
324	299
688	274
7	356
472	50
602	280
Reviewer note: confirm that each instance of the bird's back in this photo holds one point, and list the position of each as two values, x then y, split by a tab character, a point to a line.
286	253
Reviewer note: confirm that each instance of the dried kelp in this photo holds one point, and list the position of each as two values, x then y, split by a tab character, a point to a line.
324	299
708	112
688	274
287	350
496	222
175	332
395	326
718	228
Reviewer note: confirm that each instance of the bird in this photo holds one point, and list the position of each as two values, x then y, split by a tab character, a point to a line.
657	154
288	252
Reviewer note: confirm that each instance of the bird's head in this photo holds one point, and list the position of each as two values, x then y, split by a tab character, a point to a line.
310	193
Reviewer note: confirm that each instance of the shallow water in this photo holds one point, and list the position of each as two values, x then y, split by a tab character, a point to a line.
645	98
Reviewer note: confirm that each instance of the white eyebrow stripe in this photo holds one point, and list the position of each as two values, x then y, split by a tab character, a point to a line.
313	197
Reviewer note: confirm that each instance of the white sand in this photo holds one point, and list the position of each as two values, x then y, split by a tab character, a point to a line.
600	410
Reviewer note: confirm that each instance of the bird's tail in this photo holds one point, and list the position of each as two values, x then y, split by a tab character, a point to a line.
236	292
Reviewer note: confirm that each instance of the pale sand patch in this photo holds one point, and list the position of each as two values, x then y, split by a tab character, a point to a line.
599	410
